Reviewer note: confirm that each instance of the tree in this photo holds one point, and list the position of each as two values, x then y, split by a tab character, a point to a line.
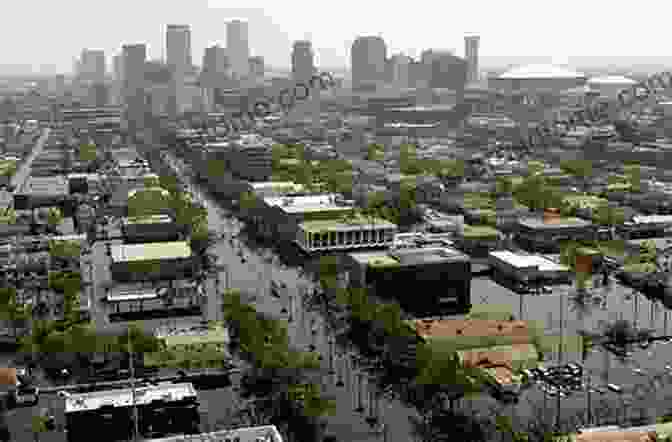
88	152
450	169
375	152
54	218
581	169
633	174
13	310
536	194
408	160
504	185
609	216
278	380
149	201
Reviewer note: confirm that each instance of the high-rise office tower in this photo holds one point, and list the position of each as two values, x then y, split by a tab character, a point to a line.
400	66
303	61
238	48
178	60
471	55
92	66
134	62
367	62
178	47
118	79
215	65
257	67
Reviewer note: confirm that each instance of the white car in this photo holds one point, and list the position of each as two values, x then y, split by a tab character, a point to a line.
27	395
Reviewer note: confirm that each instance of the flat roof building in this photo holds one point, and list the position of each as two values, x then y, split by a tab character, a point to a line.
355	233
265	433
545	233
149	228
165	408
152	261
426	281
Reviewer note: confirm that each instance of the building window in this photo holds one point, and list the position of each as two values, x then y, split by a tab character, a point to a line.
341	238
332	238
358	237
348	237
366	236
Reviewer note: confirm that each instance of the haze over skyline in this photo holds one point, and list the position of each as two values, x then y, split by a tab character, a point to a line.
518	29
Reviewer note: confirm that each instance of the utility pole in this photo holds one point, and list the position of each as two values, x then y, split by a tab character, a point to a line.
136	431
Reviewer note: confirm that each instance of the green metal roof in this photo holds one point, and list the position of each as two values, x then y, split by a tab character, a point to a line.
329	225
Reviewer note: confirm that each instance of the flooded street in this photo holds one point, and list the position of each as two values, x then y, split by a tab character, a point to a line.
251	267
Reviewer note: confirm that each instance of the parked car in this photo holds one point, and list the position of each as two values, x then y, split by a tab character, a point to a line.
27	395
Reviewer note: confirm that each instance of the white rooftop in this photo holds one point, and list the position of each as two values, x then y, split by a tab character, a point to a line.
539	71
612	79
274	184
652	219
124	397
266	433
526	261
150	252
308	203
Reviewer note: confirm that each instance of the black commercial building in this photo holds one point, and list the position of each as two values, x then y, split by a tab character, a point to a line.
424	281
163	410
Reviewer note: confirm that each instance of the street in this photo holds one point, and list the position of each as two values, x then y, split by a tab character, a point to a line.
23	172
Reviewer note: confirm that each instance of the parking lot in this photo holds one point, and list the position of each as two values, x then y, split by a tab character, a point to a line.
642	382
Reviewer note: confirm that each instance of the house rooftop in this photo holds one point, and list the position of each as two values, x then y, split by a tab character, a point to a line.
150	251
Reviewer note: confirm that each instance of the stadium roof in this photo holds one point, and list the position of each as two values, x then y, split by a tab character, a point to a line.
540	71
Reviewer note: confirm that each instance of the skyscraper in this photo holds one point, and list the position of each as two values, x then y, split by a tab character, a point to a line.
471	55
178	47
215	65
367	62
257	67
400	67
134	63
303	61
118	79
92	66
238	48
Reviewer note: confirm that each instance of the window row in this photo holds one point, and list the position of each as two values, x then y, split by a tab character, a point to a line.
312	240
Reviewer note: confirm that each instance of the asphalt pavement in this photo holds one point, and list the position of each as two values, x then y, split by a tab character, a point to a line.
22	174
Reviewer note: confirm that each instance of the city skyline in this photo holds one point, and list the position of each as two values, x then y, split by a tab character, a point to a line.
273	28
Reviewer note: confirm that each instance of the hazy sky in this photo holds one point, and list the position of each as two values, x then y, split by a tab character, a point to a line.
52	33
